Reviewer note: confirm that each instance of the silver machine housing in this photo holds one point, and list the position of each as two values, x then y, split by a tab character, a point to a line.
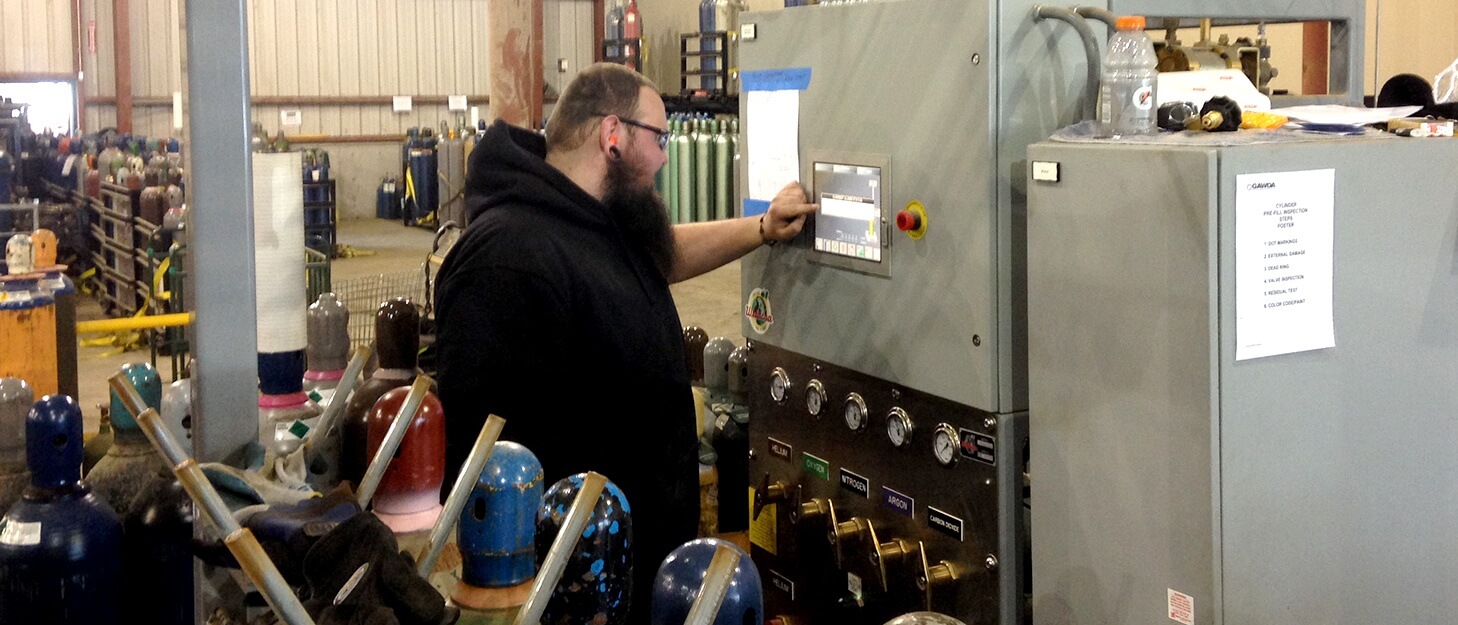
943	97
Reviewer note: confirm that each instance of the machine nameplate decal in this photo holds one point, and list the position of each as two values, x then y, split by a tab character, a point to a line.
816	466
757	311
898	502
944	523
978	446
855	483
784	584
781	449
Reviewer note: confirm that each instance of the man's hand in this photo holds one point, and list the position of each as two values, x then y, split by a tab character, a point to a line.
786	215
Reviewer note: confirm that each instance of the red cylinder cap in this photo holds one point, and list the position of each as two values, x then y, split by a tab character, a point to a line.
907	221
1130	22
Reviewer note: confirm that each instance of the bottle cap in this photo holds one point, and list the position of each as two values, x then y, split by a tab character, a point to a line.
1130	22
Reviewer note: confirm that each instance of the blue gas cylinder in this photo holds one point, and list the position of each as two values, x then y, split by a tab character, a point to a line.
60	546
387	199
497	530
682	575
597	583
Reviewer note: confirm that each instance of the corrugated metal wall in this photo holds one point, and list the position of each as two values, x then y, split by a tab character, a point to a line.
566	35
155	67
37	36
366	48
306	48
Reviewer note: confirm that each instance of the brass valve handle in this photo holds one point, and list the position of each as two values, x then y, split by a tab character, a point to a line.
888	554
803	510
768	494
934	576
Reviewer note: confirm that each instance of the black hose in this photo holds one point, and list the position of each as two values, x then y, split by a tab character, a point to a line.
1090	49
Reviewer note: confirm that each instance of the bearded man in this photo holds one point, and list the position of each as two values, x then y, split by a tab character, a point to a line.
553	309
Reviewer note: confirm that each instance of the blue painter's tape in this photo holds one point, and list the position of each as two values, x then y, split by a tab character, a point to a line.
755	207
789	78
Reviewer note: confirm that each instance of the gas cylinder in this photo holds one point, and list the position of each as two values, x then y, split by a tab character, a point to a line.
681	576
707	25
99	444
924	618
60	546
177	410
731	442
723	170
19	255
174	197
43	244
597	582
157	553
409	496
739	375
685	145
703	170
716	367
497	530
632	30
328	351
612	27
397	341
694	340
15	402
131	459
669	190
153	201
285	412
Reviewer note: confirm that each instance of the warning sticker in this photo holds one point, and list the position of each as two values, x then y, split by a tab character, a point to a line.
763	531
1181	607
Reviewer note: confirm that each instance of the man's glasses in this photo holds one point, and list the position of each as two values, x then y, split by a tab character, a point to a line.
664	136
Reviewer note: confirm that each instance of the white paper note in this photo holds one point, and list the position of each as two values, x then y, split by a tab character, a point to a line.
403	103
456	102
1283	265
772	126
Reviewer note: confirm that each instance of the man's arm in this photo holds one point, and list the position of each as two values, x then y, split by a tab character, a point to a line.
703	247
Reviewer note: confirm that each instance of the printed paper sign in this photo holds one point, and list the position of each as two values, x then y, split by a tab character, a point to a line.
1283	264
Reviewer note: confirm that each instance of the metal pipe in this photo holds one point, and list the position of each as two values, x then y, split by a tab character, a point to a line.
716	584
465	483
241	542
341	397
1090	50
1101	14
582	506
376	473
148	322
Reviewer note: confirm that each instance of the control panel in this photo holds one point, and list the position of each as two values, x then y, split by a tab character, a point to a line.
871	500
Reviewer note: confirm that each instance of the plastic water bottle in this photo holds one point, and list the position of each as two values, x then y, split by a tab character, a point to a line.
1127	98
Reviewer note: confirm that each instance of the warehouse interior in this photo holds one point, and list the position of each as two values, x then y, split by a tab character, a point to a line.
298	323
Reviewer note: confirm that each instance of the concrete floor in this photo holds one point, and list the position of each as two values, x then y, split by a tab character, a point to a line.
710	301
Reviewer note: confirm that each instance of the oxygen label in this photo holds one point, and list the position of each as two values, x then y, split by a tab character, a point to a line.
20	534
1181	607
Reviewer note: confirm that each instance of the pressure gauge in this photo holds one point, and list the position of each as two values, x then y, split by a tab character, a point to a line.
944	445
814	398
855	412
779	385
898	427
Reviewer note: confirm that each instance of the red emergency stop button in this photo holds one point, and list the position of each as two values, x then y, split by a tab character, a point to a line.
907	221
912	220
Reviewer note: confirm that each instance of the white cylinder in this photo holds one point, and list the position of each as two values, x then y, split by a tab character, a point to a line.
278	252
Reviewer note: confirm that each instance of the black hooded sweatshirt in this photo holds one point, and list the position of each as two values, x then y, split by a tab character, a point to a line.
547	317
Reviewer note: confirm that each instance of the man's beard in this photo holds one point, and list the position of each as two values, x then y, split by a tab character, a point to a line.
640	214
